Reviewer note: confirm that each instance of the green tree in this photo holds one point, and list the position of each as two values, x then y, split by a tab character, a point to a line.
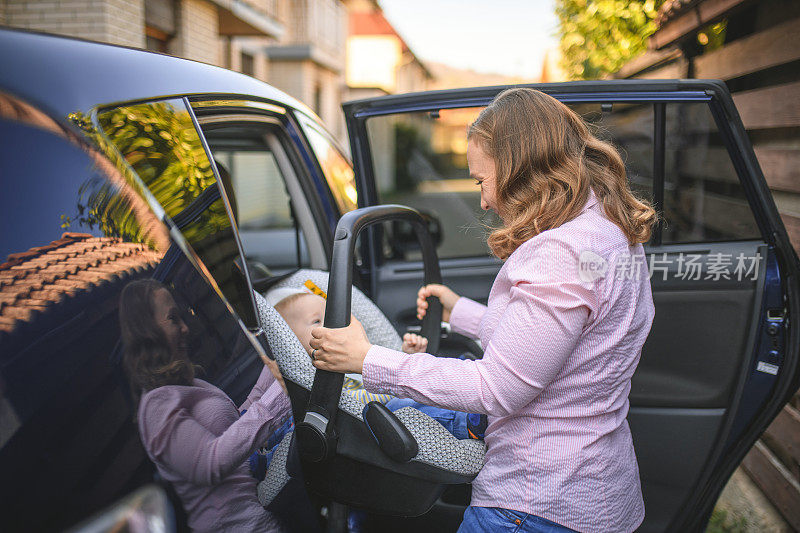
599	36
160	144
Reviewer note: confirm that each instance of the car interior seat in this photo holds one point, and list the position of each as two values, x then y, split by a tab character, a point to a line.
364	468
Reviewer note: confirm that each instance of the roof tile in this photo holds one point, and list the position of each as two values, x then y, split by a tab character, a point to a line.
34	281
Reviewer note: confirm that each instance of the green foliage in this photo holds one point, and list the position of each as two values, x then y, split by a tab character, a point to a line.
104	200
599	36
160	143
722	522
712	37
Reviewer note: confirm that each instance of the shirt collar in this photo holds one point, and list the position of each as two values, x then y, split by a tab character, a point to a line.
592	200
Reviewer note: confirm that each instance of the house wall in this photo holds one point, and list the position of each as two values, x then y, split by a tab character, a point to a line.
373	61
197	32
314	72
293	77
111	21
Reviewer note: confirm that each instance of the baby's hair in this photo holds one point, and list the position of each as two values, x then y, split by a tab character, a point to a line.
281	306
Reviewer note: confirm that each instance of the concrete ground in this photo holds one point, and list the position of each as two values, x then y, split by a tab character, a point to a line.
743	508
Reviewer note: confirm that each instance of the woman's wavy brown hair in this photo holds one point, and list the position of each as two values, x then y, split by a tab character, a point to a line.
148	360
546	161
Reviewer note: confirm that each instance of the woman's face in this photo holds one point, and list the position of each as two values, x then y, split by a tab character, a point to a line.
169	320
482	170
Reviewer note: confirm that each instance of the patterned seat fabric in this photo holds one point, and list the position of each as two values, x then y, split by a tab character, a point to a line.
437	447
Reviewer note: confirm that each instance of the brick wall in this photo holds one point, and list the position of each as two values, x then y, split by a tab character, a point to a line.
197	35
112	21
124	22
231	58
293	78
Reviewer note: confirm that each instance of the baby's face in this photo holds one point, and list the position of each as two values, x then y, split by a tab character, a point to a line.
303	314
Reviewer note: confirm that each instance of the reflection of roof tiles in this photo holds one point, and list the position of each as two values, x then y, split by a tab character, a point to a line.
34	281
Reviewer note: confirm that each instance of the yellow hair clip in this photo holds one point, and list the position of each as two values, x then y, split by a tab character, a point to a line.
310	285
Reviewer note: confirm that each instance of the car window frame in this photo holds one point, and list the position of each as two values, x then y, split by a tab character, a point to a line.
357	116
279	144
175	232
302	158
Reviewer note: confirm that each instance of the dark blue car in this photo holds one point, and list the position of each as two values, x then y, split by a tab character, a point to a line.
119	164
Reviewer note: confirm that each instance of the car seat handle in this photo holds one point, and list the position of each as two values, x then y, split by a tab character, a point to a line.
393	438
316	435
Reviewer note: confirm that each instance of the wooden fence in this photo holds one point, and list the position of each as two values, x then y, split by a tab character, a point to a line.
760	62
773	463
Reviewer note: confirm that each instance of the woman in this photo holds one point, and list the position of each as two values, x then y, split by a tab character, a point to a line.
566	320
190	429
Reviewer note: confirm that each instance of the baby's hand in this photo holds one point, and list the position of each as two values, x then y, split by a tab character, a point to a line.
413	343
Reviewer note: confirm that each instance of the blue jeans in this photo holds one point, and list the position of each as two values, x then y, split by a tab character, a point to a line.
491	519
455	422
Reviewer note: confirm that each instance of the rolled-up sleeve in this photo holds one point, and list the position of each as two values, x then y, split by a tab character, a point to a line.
466	316
265	380
539	328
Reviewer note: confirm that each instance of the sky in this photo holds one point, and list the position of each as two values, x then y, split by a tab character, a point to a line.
491	36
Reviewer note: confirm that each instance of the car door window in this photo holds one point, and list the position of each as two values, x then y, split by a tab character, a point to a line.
629	128
160	143
420	160
703	198
273	215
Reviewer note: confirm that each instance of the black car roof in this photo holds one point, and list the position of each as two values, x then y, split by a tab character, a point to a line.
63	75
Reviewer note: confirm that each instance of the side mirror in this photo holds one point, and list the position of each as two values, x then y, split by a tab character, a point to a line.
404	239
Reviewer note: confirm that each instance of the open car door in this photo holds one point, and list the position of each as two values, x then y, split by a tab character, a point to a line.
722	356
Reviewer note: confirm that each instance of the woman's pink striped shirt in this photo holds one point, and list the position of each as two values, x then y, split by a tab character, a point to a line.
567	317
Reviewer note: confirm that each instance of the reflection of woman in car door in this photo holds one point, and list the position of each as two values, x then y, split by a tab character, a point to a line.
191	429
566	320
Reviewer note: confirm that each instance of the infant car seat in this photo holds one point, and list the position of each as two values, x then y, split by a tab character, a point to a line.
355	470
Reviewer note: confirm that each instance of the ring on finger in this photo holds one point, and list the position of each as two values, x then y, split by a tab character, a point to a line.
312	354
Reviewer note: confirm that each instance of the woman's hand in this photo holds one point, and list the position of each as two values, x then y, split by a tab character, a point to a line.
413	343
275	371
341	349
445	295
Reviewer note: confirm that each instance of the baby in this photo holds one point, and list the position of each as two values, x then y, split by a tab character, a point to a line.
303	311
